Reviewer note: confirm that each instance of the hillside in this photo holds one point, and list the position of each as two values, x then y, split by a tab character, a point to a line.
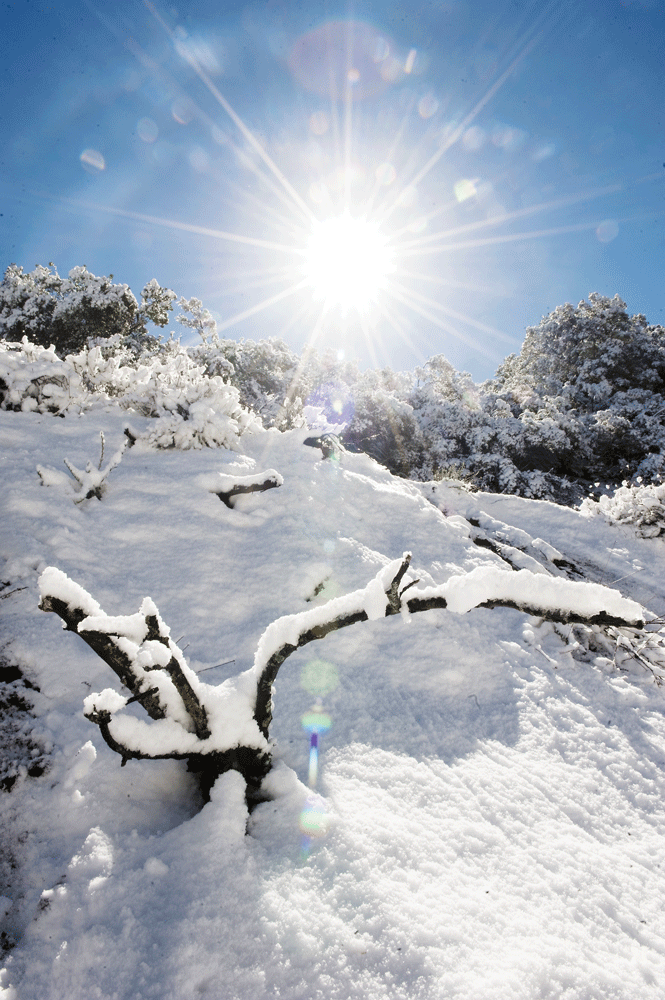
488	819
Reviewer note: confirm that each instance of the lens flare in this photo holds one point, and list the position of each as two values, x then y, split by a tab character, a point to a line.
147	129
92	161
314	722
319	678
314	818
607	231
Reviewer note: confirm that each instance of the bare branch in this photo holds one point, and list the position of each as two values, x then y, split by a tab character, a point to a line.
263	708
394	597
10	592
92	482
565	617
251	763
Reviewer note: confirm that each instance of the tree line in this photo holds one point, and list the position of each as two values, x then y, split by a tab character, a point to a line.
580	409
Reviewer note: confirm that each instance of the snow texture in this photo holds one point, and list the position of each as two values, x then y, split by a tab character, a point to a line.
490	808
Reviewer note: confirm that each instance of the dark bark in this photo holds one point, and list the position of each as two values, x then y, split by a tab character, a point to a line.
263	708
107	649
195	709
226	496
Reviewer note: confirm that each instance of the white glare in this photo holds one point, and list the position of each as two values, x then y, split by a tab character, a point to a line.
347	262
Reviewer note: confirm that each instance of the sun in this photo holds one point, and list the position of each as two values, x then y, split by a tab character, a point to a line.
348	262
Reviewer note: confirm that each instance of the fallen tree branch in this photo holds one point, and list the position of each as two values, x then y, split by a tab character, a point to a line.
228	487
436	598
236	734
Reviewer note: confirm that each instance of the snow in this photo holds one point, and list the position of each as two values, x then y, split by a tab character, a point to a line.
489	814
54	583
107	700
487	583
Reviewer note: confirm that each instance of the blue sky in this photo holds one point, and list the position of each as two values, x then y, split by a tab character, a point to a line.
510	155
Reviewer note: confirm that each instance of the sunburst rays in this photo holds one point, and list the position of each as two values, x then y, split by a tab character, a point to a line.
279	222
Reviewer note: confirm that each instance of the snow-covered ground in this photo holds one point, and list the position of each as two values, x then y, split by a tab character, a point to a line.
489	805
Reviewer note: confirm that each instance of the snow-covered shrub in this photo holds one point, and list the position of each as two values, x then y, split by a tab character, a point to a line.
624	650
191	410
384	424
641	506
66	312
267	374
598	375
207	416
584	399
275	382
196	317
34	378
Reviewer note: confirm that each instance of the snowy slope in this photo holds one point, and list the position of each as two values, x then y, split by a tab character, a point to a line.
493	807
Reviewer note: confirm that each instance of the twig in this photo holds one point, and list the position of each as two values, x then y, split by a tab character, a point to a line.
10	592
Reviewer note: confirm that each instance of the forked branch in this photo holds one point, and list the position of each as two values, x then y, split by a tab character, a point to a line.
152	667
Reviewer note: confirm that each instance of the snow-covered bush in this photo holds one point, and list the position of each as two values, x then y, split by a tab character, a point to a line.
195	317
642	506
598	374
34	378
587	353
205	416
191	410
584	399
275	382
267	375
383	423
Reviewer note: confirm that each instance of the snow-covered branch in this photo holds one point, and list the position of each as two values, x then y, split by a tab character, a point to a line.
226	487
74	605
213	728
227	726
551	598
89	482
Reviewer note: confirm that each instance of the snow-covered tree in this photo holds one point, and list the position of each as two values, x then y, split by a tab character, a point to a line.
68	312
588	352
267	375
383	423
196	317
584	399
